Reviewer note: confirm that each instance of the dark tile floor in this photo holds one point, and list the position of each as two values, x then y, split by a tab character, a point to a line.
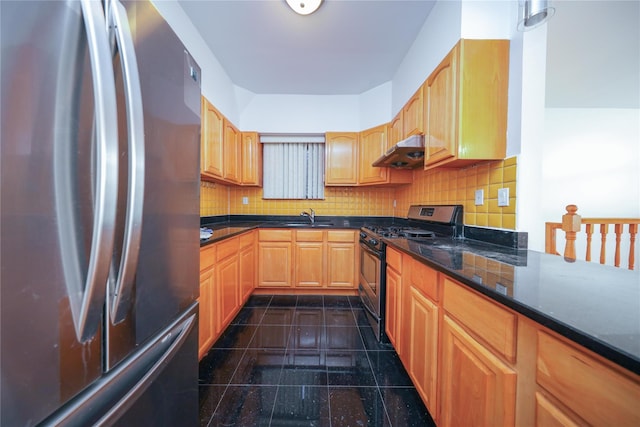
305	361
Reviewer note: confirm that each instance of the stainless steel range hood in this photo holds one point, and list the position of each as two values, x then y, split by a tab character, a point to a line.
406	154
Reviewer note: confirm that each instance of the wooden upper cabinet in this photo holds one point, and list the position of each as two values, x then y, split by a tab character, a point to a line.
396	131
341	158
211	147
412	115
251	159
373	144
465	105
232	153
439	109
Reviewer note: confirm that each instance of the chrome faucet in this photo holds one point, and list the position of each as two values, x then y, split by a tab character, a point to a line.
312	215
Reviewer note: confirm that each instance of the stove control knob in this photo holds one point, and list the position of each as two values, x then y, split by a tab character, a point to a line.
374	242
363	235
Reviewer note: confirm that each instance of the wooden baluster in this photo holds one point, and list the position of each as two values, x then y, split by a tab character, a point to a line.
618	231
571	225
604	229
633	230
589	236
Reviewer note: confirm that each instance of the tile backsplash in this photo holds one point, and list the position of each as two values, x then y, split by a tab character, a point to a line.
458	186
439	186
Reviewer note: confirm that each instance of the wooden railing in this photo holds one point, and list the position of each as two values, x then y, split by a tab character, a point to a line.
571	225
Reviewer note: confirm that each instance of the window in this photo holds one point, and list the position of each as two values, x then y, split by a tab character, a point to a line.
293	167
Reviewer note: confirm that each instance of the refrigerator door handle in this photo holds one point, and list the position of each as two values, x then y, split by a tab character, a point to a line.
107	399
87	294
120	286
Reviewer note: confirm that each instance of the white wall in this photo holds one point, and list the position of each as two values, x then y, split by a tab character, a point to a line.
438	35
584	156
301	113
591	159
216	84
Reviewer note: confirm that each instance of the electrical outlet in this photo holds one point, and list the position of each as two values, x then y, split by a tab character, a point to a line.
479	197
245	200
503	197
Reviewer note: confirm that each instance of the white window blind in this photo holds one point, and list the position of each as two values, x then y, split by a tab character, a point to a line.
293	168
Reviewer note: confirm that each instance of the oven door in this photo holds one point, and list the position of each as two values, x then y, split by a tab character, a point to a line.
371	278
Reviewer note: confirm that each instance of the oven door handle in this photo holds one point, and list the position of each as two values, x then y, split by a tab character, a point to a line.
371	251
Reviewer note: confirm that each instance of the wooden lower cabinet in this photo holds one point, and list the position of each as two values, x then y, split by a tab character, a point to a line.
227	285
309	259
341	259
227	279
248	265
314	260
422	354
392	320
577	388
476	387
206	322
475	362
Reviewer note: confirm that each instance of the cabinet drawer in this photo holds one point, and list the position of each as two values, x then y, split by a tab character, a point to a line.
394	259
207	257
309	235
227	248
595	392
247	239
346	236
425	279
275	235
486	319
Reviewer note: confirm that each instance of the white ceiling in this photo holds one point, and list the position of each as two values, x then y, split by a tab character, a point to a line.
345	48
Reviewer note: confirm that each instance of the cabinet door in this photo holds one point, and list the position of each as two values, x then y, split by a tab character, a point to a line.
392	326
227	291
309	265
440	111
251	157
274	264
232	152
247	263
423	351
341	155
341	265
413	116
396	132
212	140
206	322
477	388
373	144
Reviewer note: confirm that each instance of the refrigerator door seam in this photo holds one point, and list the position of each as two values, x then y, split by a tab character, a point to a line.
121	285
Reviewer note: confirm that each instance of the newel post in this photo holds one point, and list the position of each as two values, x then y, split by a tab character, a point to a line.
571	225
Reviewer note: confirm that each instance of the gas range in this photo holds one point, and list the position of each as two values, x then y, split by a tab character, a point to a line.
423	223
426	223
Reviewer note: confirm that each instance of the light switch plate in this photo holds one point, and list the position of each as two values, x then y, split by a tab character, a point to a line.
245	200
479	197
503	197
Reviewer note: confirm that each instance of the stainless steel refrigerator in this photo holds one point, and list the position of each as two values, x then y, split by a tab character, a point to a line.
99	204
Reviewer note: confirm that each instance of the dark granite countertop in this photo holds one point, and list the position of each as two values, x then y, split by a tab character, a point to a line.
227	226
594	305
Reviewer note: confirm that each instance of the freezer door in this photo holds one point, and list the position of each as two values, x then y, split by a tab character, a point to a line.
154	386
166	275
57	202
